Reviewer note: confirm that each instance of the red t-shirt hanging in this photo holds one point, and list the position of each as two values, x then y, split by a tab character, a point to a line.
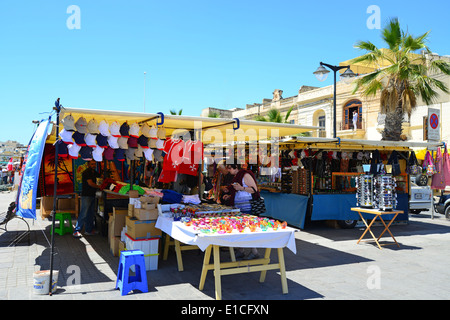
174	149
167	176
193	155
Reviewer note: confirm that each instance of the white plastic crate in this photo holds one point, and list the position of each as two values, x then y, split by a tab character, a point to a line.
149	247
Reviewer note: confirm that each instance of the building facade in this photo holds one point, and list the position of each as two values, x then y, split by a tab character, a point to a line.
313	106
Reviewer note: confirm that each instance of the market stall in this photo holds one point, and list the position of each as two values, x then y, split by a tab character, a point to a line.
318	177
126	146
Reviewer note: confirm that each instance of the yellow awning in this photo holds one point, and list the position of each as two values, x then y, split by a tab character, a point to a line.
212	129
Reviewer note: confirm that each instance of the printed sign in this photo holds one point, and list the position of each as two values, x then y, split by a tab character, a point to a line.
434	124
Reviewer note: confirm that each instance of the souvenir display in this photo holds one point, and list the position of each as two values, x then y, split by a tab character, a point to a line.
365	194
231	223
385	195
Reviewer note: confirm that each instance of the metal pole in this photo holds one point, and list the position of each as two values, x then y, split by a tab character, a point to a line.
144	90
334	105
55	184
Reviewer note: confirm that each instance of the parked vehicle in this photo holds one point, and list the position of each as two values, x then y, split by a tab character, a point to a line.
421	198
443	205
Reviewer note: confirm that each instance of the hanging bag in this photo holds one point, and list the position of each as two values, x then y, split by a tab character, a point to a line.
446	167
413	165
393	160
257	203
428	165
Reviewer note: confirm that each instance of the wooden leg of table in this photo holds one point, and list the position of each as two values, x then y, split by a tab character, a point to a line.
233	257
206	260
166	247
262	278
284	285
368	228
386	228
179	258
217	280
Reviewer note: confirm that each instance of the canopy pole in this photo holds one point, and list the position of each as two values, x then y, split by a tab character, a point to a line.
55	184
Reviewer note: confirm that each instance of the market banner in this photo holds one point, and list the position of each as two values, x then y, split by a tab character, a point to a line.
26	195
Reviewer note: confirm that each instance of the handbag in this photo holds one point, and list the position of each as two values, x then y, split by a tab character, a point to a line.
413	165
393	160
258	204
428	164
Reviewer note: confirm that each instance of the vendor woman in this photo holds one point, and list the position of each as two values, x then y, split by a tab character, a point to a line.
240	191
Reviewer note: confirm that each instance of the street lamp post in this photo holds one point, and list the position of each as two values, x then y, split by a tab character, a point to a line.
322	73
144	89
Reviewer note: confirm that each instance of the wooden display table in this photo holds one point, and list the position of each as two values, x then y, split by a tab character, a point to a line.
212	243
378	214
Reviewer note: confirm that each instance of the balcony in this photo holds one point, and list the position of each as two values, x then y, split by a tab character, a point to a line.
347	129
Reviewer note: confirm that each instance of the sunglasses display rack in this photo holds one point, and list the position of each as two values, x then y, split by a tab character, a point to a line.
385	195
365	192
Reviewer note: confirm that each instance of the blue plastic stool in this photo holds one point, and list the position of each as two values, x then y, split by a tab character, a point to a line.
127	283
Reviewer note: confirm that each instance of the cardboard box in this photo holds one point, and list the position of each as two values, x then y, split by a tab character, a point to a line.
118	221
71	205
143	214
142	229
149	199
130	210
122	246
148	206
133	194
114	246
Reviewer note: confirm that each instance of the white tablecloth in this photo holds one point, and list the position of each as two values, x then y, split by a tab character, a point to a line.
261	239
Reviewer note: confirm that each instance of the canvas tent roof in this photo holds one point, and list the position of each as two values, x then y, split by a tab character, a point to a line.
348	144
212	127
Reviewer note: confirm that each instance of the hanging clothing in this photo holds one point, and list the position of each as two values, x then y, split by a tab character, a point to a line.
438	179
446	166
173	149
192	157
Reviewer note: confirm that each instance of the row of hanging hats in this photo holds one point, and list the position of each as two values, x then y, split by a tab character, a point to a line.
97	141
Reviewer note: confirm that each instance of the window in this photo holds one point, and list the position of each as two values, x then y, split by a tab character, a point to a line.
349	108
322	132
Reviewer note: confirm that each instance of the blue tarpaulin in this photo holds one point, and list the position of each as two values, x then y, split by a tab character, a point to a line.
337	207
286	207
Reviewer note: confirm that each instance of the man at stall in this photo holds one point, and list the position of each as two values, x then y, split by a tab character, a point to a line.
87	207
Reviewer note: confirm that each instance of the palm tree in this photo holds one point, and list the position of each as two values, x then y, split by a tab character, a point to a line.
404	80
213	114
274	115
174	112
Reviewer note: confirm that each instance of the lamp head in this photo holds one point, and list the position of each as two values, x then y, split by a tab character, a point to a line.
321	73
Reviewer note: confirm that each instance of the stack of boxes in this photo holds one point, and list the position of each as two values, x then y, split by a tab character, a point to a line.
134	229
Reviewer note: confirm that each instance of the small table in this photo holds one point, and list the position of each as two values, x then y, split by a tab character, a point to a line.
378	214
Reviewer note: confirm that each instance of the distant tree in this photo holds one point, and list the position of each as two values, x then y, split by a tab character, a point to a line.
174	112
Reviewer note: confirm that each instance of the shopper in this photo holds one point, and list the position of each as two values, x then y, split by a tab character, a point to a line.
240	191
87	208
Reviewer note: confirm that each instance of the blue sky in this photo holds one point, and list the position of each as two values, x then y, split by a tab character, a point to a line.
196	53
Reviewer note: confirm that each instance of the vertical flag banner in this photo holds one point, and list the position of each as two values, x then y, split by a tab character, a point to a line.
26	195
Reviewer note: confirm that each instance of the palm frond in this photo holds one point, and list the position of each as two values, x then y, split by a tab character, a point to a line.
440	65
392	34
288	114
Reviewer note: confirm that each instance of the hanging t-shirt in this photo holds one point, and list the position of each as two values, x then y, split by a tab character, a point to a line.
192	157
174	149
167	176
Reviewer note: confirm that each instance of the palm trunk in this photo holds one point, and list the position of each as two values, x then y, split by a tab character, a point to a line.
393	125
